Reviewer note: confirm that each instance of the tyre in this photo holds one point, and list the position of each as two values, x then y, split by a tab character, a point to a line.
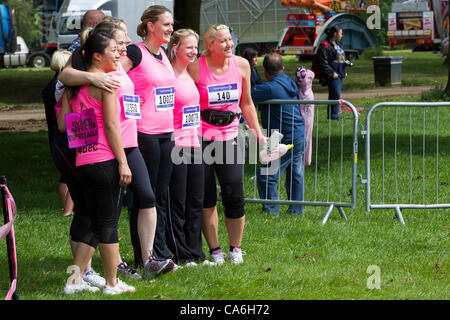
39	60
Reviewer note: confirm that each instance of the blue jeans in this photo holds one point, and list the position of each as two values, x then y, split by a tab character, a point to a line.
267	183
334	93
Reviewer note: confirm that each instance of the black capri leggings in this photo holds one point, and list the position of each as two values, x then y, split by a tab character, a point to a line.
156	151
225	160
100	182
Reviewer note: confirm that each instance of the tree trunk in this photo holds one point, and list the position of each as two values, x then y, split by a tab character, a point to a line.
187	14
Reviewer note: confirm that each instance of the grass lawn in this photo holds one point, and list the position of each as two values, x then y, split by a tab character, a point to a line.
288	257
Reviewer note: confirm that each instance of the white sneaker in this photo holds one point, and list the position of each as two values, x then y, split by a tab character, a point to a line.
119	288
208	263
190	264
75	288
235	256
218	257
94	279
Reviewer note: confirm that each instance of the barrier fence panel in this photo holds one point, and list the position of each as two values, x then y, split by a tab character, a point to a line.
7	231
408	144
330	178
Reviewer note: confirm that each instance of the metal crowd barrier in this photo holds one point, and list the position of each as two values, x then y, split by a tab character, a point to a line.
411	155
7	231
331	178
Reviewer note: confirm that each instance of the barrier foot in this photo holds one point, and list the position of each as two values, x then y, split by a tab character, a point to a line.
398	214
341	211
327	215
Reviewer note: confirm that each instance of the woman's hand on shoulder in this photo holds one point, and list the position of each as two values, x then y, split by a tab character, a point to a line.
104	81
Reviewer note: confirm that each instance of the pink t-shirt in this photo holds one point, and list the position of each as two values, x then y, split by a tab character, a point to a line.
154	82
100	151
186	115
128	126
220	93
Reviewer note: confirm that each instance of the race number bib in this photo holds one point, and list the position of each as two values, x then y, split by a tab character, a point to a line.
82	129
223	94
131	106
191	117
164	98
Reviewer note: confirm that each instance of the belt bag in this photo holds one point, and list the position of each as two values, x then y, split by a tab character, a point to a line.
218	117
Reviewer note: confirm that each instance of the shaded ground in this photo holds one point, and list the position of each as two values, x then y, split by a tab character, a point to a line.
20	118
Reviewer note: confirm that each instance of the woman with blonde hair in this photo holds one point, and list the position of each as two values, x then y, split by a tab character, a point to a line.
223	81
187	182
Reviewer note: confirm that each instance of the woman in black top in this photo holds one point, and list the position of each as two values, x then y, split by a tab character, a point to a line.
331	64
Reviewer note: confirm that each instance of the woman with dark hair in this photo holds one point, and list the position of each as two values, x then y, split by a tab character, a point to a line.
102	165
251	55
331	64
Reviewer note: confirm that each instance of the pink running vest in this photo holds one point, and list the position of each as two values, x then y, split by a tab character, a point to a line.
154	82
221	93
128	126
95	152
186	115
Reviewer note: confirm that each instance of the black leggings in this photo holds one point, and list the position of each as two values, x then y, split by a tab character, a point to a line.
184	221
100	182
156	150
229	171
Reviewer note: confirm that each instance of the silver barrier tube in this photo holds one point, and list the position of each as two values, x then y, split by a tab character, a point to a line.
398	205
314	202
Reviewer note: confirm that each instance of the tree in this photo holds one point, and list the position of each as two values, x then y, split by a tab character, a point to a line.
25	20
187	14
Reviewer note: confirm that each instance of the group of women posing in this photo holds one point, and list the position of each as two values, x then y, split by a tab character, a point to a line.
151	115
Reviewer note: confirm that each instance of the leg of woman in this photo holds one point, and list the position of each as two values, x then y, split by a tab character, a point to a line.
193	211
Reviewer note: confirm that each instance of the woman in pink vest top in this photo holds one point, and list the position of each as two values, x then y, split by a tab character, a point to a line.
93	113
150	70
187	182
223	81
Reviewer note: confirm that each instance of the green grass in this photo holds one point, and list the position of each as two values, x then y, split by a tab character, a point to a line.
418	68
288	257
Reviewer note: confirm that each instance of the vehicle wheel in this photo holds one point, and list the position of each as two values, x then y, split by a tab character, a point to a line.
39	60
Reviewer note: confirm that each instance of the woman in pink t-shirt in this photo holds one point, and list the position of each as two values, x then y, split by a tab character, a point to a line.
150	70
223	81
187	182
102	165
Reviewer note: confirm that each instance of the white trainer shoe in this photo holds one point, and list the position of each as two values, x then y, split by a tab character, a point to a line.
218	257
119	288
94	279
235	256
75	288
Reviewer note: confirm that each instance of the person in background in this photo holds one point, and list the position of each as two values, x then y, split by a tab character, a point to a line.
90	20
286	119
332	67
251	55
223	81
51	95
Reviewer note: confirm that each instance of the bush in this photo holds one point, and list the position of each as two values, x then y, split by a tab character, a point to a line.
437	93
371	52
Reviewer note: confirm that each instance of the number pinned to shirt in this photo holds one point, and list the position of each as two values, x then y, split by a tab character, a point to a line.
164	98
191	117
131	106
223	94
